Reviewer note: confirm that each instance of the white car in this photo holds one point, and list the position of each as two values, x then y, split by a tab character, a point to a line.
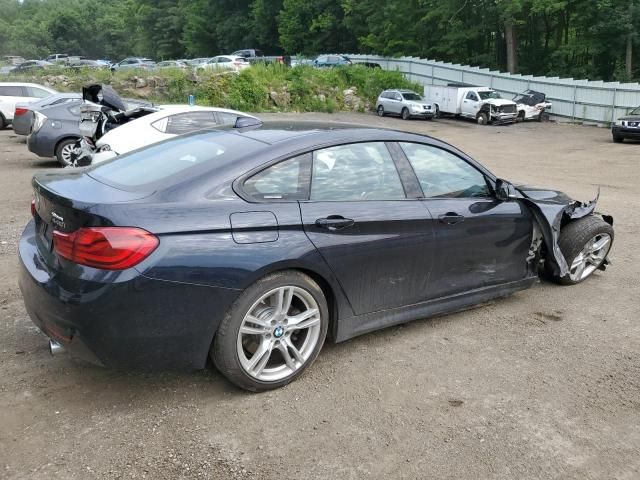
226	62
532	105
18	92
168	122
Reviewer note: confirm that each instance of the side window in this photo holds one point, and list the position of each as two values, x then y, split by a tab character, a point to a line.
11	91
226	118
182	123
472	96
359	171
37	92
398	97
323	59
444	175
286	180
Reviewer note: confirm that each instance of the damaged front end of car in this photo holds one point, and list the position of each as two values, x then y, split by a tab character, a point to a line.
553	210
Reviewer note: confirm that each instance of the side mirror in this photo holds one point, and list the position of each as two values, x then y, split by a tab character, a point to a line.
505	191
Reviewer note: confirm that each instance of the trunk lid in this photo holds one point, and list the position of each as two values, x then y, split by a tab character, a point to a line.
61	203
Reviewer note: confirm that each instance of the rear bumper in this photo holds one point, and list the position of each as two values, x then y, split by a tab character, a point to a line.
121	319
41	146
626	132
22	124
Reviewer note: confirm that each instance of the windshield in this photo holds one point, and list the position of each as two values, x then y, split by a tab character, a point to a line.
488	95
411	96
635	111
174	160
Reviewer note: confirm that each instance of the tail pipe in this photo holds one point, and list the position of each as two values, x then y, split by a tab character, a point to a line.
55	347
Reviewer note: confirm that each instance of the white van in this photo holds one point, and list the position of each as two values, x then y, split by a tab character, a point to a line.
15	92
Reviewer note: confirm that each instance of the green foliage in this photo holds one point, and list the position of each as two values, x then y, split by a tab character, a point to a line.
578	38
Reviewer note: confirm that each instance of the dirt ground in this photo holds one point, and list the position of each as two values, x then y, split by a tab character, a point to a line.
544	384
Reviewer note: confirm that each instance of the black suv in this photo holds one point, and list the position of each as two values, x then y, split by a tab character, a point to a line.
627	127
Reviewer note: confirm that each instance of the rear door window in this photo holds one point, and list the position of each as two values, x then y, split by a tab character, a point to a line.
182	123
37	92
359	171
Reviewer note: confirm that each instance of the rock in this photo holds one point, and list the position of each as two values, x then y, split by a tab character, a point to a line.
140	82
280	99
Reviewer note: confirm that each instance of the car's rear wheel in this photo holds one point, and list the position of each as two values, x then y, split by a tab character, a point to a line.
64	151
482	118
405	114
381	111
3	122
272	332
618	139
585	243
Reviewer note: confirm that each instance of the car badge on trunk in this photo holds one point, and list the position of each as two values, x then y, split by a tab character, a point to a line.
57	220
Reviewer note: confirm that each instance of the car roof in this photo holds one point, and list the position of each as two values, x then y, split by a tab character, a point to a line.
25	84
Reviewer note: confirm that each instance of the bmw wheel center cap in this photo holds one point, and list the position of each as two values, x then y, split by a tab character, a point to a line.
278	332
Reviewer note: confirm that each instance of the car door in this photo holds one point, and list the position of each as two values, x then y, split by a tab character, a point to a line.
470	104
396	103
378	243
481	241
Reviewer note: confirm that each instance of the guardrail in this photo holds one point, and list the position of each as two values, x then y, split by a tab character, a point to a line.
573	100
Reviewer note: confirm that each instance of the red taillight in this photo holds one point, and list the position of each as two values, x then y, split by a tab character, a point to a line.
33	208
108	248
20	111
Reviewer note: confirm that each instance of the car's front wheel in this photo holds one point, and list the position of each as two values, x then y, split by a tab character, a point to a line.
585	244
405	114
380	111
272	332
618	139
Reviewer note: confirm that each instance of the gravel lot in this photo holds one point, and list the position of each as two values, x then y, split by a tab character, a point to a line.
544	384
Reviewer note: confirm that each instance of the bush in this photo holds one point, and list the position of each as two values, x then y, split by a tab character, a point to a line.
262	87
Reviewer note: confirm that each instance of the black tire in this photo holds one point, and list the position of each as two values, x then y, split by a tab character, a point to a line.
61	151
405	114
437	114
380	111
574	237
482	118
224	348
618	139
520	116
3	122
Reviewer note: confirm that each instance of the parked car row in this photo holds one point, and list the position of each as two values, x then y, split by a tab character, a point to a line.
52	121
482	104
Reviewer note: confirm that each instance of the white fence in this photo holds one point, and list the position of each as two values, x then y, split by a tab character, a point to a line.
574	100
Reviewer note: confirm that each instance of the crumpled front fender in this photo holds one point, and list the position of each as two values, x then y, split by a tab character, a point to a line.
553	213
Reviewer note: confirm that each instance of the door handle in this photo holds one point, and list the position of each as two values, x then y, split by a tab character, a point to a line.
334	222
451	218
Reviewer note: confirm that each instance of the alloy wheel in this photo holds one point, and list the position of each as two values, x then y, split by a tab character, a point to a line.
590	257
279	333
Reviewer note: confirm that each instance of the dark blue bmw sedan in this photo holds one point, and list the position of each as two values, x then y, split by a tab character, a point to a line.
252	246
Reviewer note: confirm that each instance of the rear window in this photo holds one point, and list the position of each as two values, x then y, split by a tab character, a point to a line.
173	161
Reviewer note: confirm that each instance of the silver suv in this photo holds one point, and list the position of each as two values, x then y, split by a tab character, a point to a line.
405	103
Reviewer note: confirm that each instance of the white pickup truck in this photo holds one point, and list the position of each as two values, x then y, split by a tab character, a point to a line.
482	104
